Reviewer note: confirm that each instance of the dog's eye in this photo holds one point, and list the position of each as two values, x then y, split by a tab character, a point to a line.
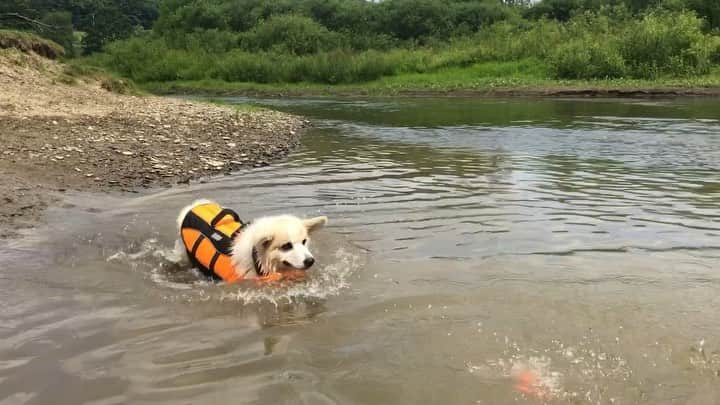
304	241
286	246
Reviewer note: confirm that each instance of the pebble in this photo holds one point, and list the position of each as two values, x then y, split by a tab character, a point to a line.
204	140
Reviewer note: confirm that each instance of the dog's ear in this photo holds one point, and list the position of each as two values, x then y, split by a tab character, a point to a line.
264	242
313	224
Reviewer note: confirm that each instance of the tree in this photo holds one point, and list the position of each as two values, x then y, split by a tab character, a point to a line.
560	10
416	19
17	14
59	29
107	20
472	15
708	9
289	33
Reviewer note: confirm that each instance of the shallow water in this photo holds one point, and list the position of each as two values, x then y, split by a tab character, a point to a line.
471	242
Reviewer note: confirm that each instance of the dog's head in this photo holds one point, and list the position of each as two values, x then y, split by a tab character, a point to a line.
286	244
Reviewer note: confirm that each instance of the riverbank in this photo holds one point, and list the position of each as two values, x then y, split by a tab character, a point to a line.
481	80
73	133
218	88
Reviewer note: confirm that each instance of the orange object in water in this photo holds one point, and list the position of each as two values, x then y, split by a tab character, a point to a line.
528	383
292	275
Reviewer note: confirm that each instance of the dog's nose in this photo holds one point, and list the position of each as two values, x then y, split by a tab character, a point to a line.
308	262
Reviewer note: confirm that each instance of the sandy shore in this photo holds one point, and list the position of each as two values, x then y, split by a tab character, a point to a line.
60	136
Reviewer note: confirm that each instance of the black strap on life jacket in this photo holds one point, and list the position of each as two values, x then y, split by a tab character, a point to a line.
222	243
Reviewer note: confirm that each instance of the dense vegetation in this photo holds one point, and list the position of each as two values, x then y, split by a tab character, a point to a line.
354	41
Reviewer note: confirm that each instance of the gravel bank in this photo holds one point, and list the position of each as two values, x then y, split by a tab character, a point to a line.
79	136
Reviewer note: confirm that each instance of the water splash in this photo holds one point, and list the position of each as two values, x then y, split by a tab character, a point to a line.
533	376
154	249
322	283
534	371
166	268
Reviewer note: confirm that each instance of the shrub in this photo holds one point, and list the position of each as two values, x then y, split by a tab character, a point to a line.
211	40
715	50
59	29
414	19
560	10
365	41
242	66
131	57
472	16
666	43
586	59
294	34
506	42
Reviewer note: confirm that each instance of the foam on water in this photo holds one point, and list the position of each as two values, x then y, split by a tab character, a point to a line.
326	281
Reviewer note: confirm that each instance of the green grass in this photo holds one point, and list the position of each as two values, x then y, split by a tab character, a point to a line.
486	75
75	70
527	76
242	107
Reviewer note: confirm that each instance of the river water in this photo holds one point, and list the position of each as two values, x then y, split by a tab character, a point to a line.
478	252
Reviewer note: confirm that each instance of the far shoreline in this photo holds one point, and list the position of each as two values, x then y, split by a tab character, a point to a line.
600	90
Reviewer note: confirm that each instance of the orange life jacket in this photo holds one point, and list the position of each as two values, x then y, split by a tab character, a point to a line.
207	232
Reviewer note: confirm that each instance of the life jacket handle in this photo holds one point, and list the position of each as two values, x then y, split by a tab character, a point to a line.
222	214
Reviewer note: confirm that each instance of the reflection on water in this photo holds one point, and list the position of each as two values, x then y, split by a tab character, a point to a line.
473	244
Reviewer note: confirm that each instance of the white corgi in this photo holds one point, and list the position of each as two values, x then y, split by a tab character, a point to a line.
218	243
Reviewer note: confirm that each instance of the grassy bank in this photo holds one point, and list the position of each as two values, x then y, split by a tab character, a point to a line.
22	49
607	51
490	78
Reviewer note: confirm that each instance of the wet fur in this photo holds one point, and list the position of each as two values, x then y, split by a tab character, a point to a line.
267	235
